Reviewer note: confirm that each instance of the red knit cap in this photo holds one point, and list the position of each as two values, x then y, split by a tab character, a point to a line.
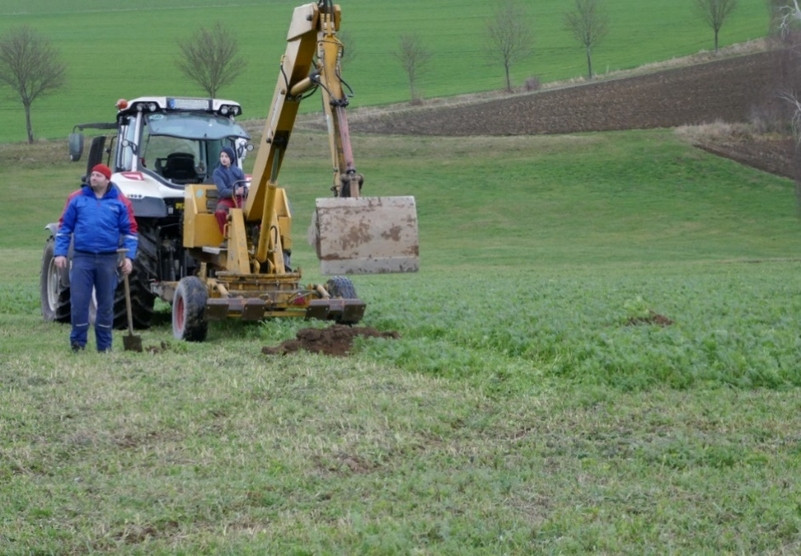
102	169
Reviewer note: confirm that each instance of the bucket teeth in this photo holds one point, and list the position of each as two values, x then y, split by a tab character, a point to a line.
346	311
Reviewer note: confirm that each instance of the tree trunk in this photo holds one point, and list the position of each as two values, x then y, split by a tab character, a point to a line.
508	79
28	125
589	64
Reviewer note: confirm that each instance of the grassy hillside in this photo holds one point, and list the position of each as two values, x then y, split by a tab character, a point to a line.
127	51
530	405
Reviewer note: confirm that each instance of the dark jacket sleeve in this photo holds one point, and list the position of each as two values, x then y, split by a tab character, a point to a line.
65	229
222	181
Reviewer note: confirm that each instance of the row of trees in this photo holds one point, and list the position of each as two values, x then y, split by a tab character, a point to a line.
510	34
31	66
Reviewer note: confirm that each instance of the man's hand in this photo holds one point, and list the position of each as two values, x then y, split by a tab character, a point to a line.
60	261
126	265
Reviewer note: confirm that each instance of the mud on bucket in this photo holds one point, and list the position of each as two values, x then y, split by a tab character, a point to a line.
365	235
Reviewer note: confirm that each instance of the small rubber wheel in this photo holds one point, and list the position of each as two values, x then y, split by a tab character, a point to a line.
188	310
342	287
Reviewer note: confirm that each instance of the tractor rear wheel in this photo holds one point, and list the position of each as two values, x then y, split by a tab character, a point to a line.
142	299
188	310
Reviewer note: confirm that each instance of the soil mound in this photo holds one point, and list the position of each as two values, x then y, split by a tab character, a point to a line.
335	340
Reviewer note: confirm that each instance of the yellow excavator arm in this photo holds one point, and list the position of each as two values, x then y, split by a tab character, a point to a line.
244	270
351	234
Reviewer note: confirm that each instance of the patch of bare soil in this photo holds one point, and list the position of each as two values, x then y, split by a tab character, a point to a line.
335	340
737	89
652	318
772	153
724	90
162	347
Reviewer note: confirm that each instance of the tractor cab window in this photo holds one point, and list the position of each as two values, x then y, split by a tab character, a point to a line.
178	160
184	147
127	145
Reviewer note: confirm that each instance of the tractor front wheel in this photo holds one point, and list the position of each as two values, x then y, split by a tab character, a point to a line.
188	310
54	287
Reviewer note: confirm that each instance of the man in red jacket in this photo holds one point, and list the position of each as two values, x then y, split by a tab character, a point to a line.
97	219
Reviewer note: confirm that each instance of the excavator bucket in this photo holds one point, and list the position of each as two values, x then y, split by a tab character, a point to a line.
365	235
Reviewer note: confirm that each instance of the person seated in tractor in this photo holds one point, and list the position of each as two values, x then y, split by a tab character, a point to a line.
230	181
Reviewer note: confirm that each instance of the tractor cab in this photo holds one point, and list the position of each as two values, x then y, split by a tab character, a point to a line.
174	141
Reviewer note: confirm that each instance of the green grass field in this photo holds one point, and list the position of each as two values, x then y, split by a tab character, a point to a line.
130	50
524	409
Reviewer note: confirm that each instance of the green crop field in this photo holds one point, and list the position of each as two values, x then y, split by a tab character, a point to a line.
530	405
600	353
130	50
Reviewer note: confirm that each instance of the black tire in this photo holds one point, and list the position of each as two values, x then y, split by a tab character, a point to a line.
188	310
340	286
54	287
142	303
142	299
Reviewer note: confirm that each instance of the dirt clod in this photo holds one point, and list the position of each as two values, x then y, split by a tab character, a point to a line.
335	340
652	318
163	346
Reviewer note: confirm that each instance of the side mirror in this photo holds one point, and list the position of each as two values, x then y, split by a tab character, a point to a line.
131	145
242	150
75	146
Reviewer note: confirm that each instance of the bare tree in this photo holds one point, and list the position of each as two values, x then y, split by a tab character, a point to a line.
413	57
785	40
30	65
785	21
509	35
210	58
787	18
785	15
715	13
588	24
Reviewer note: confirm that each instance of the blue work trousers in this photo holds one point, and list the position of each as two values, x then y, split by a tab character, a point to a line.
88	272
